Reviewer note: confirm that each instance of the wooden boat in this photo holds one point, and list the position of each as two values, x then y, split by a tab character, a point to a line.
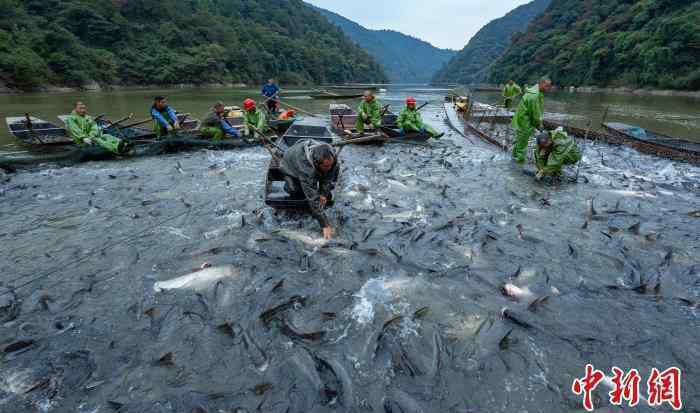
343	118
307	129
275	194
328	95
281	125
138	132
353	87
655	143
34	131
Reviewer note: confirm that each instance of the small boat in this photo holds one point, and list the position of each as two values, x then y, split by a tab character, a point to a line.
654	142
281	125
343	118
34	131
307	129
395	136
275	194
135	131
328	95
353	87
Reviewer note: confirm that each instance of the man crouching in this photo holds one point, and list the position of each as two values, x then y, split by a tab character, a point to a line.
310	170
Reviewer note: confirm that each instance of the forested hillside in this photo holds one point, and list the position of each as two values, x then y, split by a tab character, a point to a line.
472	64
405	58
633	43
133	42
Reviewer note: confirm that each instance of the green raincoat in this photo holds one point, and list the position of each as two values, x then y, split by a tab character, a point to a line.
410	120
563	151
510	92
526	119
84	127
372	110
254	118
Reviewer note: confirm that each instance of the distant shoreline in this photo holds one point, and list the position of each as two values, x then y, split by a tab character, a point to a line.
94	87
636	92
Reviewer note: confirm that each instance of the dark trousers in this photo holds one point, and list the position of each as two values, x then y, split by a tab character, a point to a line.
272	106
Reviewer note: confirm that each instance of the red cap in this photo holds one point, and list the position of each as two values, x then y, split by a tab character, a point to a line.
248	104
410	100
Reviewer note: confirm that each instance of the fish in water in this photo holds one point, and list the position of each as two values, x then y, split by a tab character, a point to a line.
512	290
198	280
308	240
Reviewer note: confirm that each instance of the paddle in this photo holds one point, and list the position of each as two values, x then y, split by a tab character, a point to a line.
28	123
364	139
298	109
268	144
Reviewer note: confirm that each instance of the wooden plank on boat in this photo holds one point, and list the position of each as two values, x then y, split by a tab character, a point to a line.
37	131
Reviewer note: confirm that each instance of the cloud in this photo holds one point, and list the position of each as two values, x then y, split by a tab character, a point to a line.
444	23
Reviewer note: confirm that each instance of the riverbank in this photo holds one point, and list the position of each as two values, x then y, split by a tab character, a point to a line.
96	87
636	92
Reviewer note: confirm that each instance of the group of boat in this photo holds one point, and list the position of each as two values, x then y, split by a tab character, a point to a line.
465	114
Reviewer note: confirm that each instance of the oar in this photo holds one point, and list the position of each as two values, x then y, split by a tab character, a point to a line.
268	144
364	139
28	122
297	109
141	122
122	120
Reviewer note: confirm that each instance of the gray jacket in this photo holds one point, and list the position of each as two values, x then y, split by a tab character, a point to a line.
297	163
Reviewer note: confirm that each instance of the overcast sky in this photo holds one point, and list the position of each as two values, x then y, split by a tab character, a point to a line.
444	23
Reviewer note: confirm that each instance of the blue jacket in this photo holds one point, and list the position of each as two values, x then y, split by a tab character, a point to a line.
270	90
158	116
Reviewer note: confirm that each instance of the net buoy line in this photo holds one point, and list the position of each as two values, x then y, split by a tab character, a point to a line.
93	252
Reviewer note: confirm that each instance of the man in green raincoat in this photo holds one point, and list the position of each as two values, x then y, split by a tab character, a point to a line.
215	126
410	120
368	113
510	91
254	120
554	150
528	117
85	131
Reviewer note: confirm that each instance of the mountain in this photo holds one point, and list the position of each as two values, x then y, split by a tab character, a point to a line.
472	64
628	43
163	42
405	58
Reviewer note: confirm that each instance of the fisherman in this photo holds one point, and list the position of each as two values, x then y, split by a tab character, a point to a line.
215	126
85	131
528	117
368	113
254	121
510	91
164	117
310	170
554	150
410	120
271	92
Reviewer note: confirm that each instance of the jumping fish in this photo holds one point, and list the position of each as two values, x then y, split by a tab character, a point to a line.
512	290
198	280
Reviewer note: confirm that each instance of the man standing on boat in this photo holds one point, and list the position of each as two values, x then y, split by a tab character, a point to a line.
310	170
510	91
164	117
84	131
410	120
254	120
271	91
215	125
528	117
368	113
554	150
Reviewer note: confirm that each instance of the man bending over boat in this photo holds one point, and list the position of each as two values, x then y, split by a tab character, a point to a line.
528	117
554	150
254	120
84	131
215	125
164	117
310	170
368	113
410	120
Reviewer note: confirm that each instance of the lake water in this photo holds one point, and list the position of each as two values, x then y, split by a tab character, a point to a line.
405	311
669	115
